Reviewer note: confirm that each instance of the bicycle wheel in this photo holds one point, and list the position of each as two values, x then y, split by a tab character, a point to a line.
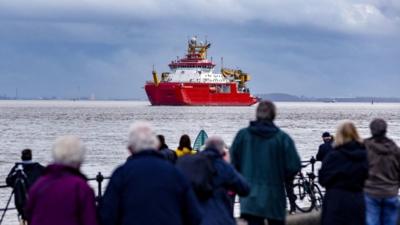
304	202
318	196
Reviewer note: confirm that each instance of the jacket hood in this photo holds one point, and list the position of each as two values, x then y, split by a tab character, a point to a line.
58	169
381	145
149	152
355	151
264	129
163	146
212	152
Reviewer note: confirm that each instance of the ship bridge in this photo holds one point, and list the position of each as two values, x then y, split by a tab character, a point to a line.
194	67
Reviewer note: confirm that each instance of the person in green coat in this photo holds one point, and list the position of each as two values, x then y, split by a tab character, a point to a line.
267	157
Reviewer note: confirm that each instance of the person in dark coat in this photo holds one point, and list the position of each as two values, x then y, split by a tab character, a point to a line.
61	195
21	177
32	170
343	174
165	150
266	156
147	189
325	148
218	208
382	186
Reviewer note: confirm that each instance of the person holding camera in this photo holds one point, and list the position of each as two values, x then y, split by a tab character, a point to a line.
21	178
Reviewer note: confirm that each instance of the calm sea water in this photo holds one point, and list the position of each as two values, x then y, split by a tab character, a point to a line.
103	126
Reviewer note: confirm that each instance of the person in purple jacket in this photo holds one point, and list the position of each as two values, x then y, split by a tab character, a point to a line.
62	196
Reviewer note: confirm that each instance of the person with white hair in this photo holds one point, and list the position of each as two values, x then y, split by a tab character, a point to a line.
218	209
147	189
62	196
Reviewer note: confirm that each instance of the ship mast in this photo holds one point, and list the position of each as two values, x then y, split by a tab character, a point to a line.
197	50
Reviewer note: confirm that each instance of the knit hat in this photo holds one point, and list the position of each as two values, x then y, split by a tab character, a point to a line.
326	134
26	155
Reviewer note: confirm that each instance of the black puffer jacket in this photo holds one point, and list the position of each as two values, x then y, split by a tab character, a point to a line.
343	174
384	167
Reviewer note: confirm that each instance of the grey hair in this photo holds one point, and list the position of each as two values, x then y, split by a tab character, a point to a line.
266	110
69	150
141	137
217	143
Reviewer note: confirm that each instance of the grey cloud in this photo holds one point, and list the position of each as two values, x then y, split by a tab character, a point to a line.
353	16
51	49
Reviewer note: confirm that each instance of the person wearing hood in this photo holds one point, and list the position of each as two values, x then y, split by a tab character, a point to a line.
382	185
61	195
267	157
165	151
218	209
343	173
147	189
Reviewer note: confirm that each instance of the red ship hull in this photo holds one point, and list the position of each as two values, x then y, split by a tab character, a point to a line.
200	94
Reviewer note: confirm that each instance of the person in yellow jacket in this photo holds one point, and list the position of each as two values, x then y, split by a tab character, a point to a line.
185	147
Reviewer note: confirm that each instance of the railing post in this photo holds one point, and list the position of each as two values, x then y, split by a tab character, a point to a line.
99	179
312	160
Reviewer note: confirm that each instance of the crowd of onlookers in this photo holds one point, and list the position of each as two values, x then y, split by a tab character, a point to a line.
157	185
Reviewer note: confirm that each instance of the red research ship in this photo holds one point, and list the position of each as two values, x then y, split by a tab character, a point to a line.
192	81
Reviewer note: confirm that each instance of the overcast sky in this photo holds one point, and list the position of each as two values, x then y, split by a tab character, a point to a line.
340	48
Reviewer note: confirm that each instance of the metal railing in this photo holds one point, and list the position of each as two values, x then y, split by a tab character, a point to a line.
100	178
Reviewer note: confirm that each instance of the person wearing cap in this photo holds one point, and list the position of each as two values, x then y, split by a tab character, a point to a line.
267	157
382	185
32	170
325	148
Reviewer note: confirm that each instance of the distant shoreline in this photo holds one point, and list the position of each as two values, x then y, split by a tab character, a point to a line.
281	97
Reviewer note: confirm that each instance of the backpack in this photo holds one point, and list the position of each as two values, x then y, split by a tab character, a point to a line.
199	170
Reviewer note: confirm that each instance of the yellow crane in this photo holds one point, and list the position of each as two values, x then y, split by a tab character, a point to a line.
236	74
